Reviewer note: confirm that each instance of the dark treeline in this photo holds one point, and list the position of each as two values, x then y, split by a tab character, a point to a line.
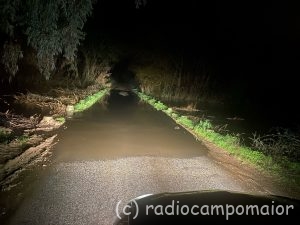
40	39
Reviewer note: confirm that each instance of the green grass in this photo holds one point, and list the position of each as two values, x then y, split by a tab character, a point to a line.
228	142
22	141
85	104
184	121
89	101
61	119
160	106
5	135
168	111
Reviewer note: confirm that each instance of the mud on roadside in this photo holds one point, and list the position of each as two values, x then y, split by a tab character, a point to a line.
27	138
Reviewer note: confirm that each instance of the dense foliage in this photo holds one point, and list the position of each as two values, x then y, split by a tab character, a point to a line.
11	54
52	29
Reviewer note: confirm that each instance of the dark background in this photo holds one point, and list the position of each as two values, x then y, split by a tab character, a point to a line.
253	46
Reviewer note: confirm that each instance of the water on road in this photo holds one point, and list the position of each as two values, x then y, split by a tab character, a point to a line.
114	152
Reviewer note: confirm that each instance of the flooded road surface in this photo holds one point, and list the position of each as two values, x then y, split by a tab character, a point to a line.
124	127
116	152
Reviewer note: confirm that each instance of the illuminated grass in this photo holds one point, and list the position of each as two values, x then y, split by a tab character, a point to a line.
61	119
89	101
160	106
183	120
228	142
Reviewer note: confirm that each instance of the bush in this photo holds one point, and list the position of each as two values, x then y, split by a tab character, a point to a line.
5	135
12	53
280	143
168	77
204	125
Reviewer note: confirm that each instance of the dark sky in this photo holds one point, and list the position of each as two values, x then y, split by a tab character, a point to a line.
209	16
255	32
230	27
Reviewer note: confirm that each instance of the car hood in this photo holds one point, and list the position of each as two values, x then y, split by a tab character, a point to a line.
209	207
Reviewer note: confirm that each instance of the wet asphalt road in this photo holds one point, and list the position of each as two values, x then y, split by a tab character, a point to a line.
113	153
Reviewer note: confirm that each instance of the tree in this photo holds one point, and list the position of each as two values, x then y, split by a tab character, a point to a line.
52	28
55	27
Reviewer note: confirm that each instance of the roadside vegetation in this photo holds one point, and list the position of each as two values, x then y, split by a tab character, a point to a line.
51	29
175	78
277	153
89	101
26	139
60	119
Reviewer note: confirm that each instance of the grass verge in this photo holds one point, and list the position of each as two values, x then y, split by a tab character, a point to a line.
89	101
60	119
204	130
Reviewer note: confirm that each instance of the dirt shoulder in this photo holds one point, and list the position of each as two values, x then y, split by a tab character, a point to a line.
260	180
28	133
